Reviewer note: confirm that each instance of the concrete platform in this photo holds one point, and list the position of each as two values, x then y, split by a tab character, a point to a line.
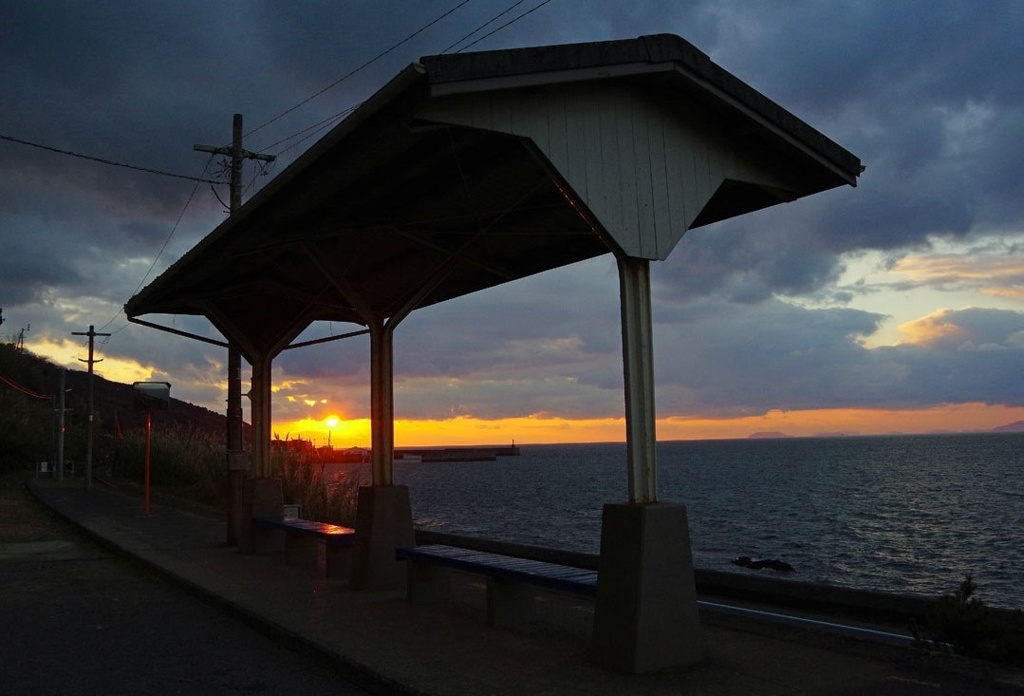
400	647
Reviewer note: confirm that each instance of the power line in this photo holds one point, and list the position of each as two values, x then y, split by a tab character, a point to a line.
105	161
491	20
506	24
309	131
313	130
358	69
163	246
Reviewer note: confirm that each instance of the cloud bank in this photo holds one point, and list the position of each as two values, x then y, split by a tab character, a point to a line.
752	314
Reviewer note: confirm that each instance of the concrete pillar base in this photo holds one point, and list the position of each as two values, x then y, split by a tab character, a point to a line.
236	519
261	497
645	616
383	523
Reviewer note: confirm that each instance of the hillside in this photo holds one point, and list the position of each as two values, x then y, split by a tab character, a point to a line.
27	422
113	401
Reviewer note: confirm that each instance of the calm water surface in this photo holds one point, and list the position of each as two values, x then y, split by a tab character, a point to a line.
910	514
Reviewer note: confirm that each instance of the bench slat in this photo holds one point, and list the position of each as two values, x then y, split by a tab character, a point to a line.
550	576
330	533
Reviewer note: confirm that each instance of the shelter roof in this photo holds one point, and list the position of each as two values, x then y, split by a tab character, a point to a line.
466	171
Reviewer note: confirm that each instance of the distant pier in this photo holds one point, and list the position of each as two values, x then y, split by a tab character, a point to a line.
457	454
362	455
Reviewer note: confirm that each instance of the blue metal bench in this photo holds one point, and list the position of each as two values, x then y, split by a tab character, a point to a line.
510	580
300	542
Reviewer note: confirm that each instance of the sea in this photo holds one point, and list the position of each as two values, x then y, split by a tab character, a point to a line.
909	514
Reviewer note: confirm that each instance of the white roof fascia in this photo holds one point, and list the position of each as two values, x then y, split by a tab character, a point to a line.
493	84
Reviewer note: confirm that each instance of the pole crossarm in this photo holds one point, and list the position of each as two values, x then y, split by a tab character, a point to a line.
226	150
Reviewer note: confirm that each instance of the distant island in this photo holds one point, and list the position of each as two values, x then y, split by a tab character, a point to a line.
1014	427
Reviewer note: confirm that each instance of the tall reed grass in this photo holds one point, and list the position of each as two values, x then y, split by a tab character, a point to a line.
185	461
191	463
324	497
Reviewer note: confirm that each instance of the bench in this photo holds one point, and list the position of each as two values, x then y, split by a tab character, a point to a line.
510	580
300	542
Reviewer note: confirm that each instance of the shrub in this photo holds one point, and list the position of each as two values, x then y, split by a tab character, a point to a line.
963	622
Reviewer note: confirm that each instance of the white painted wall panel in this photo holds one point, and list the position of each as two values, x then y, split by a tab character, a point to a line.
644	171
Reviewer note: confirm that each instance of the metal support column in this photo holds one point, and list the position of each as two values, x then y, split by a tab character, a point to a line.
260	397
382	402
638	372
645	612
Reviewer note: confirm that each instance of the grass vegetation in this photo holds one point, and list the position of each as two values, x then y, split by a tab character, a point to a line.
190	463
26	412
186	460
325	497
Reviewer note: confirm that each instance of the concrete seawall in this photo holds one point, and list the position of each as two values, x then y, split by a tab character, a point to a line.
891	609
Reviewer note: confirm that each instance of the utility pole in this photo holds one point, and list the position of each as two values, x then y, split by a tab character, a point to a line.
235	446
60	426
92	334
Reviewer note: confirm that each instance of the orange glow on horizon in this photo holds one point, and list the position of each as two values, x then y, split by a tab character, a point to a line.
538	430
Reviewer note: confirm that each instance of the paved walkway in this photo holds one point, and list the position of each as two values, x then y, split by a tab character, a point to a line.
398	647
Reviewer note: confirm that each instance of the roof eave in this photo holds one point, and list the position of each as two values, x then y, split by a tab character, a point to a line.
408	79
649	55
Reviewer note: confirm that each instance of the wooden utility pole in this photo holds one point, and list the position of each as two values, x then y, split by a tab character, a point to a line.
235	445
92	334
61	394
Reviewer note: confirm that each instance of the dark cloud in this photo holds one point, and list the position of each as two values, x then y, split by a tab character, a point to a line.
925	97
775	356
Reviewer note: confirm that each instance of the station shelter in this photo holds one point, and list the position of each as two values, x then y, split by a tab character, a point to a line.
470	170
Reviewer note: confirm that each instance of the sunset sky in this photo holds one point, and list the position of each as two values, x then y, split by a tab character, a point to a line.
895	306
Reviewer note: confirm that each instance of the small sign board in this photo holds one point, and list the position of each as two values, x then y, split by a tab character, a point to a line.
152	396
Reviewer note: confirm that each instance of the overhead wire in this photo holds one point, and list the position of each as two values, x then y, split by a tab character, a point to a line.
263	169
358	69
506	24
312	130
163	247
307	132
104	161
490	21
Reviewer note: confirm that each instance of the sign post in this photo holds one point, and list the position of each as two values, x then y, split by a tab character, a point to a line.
149	397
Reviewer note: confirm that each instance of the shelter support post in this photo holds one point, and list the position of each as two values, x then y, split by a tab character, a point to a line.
382	403
236	459
384	512
260	396
262	496
646	609
638	373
